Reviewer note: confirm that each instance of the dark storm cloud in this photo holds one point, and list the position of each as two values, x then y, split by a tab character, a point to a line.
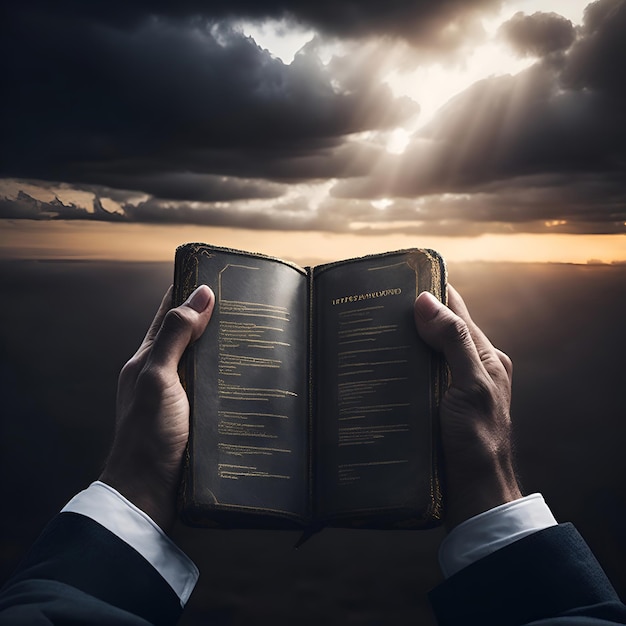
320	159
148	94
538	34
598	57
89	103
530	204
26	207
423	22
293	214
289	216
191	186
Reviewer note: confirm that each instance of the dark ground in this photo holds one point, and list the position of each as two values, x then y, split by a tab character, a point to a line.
66	328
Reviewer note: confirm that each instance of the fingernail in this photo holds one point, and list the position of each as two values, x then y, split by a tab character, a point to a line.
199	299
427	306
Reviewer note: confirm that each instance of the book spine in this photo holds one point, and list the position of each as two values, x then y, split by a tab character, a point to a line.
311	397
185	281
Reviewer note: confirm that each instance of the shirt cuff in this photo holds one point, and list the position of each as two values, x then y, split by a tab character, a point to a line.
112	510
487	532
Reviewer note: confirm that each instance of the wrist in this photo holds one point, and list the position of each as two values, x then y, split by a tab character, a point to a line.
469	496
158	504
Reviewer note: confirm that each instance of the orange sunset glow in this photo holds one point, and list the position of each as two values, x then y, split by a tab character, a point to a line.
138	242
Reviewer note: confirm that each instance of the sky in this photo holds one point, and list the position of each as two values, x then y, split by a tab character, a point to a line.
487	129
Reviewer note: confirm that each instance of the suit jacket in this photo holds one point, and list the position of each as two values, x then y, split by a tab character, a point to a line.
80	572
549	578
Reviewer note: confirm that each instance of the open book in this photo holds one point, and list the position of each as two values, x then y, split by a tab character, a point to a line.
313	400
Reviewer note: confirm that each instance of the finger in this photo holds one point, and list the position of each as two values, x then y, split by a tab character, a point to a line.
457	304
447	332
505	359
165	306
181	326
493	359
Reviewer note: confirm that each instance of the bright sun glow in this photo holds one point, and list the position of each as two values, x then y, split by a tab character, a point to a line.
433	85
398	141
382	204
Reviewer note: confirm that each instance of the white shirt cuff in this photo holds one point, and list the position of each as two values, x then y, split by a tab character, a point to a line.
487	532
112	510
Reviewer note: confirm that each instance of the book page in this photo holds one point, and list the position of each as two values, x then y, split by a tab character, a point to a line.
374	417
250	429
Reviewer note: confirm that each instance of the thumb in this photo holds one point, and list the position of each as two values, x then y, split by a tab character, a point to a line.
182	326
446	332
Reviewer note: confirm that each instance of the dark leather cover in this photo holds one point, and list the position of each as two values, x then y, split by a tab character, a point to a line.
264	448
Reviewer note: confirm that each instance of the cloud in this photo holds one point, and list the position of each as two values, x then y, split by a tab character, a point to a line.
597	56
539	34
525	205
174	98
27	207
423	22
176	116
191	186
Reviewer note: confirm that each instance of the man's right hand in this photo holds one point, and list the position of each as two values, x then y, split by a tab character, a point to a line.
152	425
474	412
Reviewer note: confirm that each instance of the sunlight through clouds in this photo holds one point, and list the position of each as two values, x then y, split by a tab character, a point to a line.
281	38
398	141
433	84
457	119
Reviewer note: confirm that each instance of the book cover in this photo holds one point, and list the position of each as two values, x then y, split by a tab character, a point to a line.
313	400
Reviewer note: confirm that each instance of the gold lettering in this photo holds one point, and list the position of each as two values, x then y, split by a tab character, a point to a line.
396	291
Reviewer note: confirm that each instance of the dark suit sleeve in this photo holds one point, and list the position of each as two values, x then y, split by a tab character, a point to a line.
548	578
78	568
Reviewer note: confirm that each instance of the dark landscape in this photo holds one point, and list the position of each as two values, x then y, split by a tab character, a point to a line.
66	328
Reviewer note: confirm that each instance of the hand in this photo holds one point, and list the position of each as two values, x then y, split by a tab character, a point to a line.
152	425
474	412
